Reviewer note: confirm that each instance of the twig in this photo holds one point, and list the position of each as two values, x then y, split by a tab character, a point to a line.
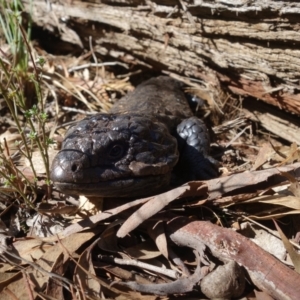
64	281
27	284
238	135
95	65
80	111
142	265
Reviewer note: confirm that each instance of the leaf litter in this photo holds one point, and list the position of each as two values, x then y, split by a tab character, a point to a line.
134	235
181	242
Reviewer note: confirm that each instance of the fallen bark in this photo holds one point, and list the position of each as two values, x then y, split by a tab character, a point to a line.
266	272
277	122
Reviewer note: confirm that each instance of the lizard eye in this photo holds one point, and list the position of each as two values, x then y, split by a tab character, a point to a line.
116	151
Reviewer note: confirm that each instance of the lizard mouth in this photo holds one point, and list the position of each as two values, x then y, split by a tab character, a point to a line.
123	187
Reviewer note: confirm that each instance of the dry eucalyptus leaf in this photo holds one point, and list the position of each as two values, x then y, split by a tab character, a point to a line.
11	135
86	279
157	233
17	284
293	154
93	220
264	154
38	160
54	287
295	188
56	207
143	251
157	203
286	201
108	239
31	249
295	257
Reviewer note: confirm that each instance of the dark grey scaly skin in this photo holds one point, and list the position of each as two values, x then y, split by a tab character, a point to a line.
133	150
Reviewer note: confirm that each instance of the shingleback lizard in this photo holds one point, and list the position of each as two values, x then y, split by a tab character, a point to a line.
132	150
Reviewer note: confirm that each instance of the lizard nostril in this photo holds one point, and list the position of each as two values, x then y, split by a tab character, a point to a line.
74	168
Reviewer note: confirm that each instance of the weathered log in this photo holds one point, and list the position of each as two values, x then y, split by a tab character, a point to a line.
249	47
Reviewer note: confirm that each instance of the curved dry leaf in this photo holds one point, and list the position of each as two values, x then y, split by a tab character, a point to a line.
157	233
287	201
11	135
88	283
289	176
108	239
295	257
93	220
31	249
38	161
264	154
295	188
275	215
157	203
56	207
281	204
293	155
125	274
14	281
54	287
143	251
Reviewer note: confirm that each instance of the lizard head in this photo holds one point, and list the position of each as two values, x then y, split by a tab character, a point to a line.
115	155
